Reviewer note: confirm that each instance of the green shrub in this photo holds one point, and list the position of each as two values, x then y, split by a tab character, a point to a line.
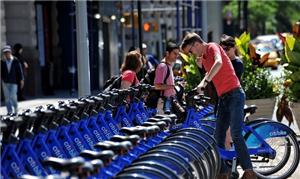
292	65
192	76
256	81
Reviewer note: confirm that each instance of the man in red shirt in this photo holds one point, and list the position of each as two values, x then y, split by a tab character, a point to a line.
231	98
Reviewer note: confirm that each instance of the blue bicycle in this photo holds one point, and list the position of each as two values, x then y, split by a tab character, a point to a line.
272	146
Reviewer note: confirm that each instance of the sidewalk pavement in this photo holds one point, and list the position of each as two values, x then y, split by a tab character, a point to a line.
41	101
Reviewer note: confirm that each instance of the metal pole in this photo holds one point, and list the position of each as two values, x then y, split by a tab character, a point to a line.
239	16
204	20
193	14
72	68
132	23
140	25
82	49
245	11
177	22
140	32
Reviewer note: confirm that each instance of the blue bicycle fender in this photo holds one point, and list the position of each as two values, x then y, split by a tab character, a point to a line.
265	130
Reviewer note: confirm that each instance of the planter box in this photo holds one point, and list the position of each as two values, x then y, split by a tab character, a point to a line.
296	112
265	107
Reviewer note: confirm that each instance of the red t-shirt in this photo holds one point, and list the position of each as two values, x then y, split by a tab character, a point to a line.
130	76
226	79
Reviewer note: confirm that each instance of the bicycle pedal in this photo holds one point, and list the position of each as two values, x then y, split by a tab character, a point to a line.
234	175
234	166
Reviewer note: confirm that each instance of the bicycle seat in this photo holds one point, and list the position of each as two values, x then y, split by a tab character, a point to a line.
160	124
152	130
131	138
146	131
200	101
167	120
13	123
117	147
84	170
97	165
121	147
250	109
3	126
172	116
105	155
97	99
64	164
134	130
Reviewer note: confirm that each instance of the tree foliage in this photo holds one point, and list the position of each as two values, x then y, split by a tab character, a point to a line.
266	17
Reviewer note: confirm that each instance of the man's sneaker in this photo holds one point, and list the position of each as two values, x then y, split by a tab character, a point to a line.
223	176
249	174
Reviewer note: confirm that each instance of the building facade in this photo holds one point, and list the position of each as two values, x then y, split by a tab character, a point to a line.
47	30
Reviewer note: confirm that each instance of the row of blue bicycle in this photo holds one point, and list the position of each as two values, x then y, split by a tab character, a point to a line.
82	129
114	135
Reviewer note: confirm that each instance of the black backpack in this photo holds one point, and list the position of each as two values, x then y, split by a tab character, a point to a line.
154	95
113	83
150	75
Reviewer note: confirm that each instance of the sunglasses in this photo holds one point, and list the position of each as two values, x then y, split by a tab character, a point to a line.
226	48
192	45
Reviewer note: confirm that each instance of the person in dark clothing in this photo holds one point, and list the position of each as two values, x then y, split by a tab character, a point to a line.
11	76
228	44
18	49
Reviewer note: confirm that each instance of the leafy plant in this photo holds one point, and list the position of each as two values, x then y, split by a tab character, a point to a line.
255	81
292	65
191	72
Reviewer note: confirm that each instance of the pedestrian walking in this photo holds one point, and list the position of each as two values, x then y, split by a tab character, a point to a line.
11	76
18	50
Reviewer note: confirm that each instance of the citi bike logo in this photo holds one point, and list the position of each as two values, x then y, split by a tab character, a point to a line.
144	115
79	144
98	136
16	169
278	133
111	125
105	131
69	149
197	125
126	121
89	140
44	155
139	118
34	165
57	152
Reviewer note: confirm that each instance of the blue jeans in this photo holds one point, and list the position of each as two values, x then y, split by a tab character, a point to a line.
231	113
167	105
10	94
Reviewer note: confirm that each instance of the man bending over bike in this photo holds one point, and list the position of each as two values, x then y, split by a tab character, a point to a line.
231	98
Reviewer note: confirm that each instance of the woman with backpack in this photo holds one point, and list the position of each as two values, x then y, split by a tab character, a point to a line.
132	64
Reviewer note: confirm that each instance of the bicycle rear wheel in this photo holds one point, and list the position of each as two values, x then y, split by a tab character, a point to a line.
284	142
